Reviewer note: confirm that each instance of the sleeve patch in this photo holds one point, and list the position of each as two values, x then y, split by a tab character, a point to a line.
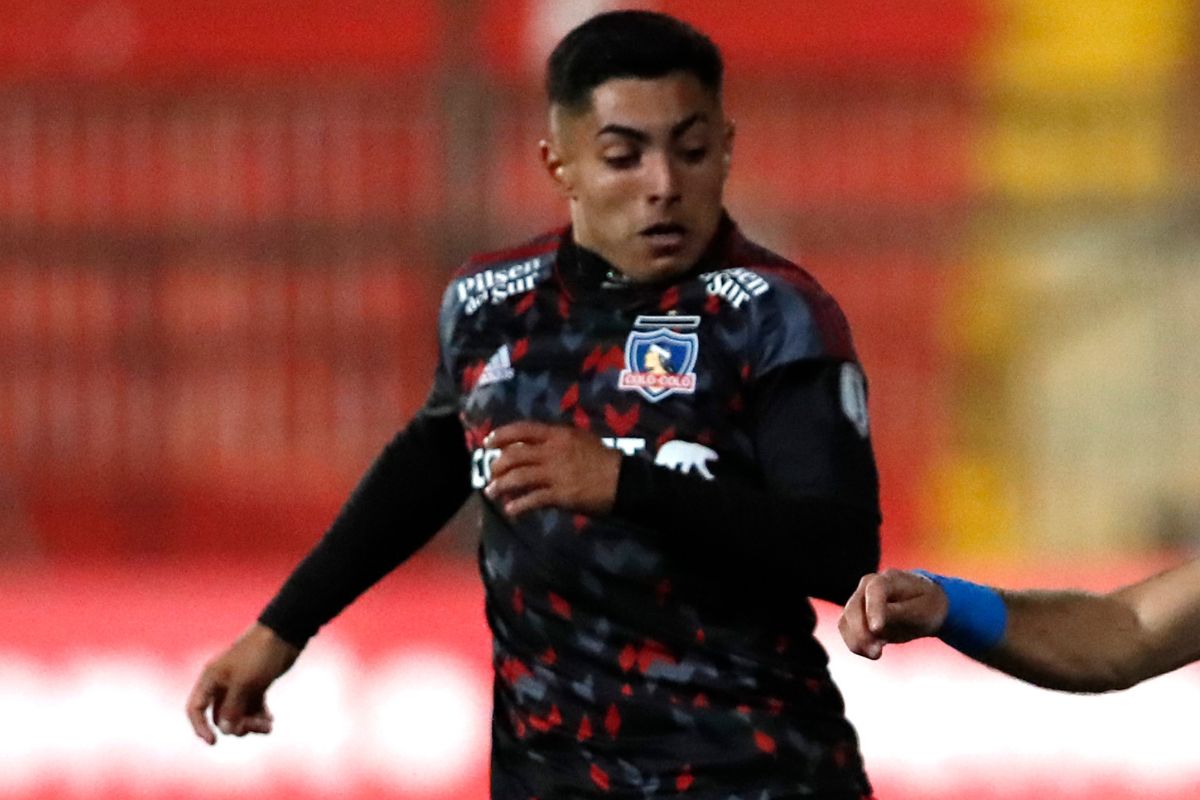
854	398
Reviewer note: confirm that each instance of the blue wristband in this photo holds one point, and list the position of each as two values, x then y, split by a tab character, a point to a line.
975	616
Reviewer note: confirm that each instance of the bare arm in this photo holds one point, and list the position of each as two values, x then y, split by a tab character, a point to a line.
1167	607
1067	640
234	685
1071	640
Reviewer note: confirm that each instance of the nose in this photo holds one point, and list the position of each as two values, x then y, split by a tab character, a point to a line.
662	180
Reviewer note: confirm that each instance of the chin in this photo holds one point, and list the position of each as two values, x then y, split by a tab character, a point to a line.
654	270
674	264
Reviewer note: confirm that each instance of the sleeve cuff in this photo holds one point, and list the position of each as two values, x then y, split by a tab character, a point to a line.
634	487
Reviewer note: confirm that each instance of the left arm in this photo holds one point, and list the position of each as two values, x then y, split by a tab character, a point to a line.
816	517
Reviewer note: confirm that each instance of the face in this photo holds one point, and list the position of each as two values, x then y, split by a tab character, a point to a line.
644	169
654	363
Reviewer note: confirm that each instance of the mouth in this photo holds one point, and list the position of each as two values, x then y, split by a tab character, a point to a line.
664	236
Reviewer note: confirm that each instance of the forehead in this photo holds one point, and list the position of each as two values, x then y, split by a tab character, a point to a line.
651	105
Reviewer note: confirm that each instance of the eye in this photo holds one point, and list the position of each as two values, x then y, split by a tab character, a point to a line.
694	155
622	160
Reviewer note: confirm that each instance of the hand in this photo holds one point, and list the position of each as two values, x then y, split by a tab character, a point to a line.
890	608
235	682
551	466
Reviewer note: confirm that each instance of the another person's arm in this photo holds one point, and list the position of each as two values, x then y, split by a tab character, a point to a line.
1067	640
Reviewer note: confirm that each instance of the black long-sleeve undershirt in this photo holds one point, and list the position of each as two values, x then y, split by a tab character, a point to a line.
414	487
815	519
825	547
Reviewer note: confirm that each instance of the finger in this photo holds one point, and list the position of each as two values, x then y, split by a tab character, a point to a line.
900	607
877	592
255	723
517	481
233	710
850	623
258	725
539	498
519	454
913	617
860	641
528	432
256	718
197	706
852	613
853	627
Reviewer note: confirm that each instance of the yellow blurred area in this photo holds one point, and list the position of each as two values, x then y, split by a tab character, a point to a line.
1068	49
1082	94
1068	323
1115	149
970	496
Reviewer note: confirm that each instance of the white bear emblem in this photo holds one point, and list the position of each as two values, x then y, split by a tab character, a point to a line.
684	457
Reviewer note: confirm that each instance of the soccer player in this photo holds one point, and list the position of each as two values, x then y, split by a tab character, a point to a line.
1069	640
650	537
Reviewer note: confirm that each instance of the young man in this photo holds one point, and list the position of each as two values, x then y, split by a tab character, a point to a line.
1069	640
648	534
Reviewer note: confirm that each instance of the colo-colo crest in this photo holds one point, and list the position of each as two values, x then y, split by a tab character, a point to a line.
660	360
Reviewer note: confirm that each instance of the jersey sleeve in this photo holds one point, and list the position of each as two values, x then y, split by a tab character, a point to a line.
797	321
419	480
443	399
812	433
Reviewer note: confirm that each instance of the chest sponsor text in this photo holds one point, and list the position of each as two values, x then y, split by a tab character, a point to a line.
682	456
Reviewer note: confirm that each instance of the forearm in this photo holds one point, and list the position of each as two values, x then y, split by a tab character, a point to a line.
1167	607
823	545
1079	641
1070	641
408	494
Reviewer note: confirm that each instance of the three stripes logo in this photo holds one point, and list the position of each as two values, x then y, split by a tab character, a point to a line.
498	368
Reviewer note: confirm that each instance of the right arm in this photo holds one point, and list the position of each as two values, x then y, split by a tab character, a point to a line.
1066	640
415	485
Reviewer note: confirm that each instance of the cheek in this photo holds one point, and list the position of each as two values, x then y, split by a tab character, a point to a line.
608	193
708	181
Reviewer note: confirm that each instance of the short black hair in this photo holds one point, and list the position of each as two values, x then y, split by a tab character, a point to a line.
628	44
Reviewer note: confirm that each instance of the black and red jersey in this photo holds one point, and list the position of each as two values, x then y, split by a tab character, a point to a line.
668	647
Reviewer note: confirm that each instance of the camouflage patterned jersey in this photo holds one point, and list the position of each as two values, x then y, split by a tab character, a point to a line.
667	648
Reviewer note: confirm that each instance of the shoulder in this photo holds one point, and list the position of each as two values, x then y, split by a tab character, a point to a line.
534	249
795	315
493	277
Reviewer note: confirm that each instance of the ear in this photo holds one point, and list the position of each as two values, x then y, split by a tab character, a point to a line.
554	165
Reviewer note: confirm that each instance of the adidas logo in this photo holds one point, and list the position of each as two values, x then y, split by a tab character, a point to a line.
498	368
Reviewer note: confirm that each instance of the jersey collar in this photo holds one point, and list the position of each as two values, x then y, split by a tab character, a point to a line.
585	276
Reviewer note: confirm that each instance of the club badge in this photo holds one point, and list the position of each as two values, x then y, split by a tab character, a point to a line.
659	359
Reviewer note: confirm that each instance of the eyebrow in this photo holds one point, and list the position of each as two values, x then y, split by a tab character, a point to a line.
677	130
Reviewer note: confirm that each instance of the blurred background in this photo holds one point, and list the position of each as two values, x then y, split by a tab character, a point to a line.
224	230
